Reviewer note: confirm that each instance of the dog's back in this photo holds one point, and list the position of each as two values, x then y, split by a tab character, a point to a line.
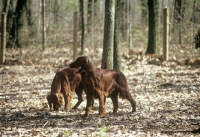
64	83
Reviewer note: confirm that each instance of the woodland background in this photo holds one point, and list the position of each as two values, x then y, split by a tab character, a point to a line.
24	27
166	92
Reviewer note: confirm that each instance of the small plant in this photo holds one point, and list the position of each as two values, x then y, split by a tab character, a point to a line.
155	86
66	134
102	132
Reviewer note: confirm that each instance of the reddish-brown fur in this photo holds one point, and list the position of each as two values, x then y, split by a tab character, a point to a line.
100	83
64	83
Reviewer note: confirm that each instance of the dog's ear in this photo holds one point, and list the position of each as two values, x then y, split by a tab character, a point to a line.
87	61
54	99
82	72
59	98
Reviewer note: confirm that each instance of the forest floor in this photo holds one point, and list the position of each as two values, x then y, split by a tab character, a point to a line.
167	96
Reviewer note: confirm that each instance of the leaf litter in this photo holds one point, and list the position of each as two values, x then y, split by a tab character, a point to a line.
167	96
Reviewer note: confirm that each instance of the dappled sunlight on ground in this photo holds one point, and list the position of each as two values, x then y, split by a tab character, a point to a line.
167	96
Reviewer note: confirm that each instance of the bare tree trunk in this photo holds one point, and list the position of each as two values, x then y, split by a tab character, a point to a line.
43	26
3	38
55	15
28	12
153	26
89	16
129	23
17	22
6	6
193	18
3	31
75	35
144	12
108	34
11	10
124	26
116	56
39	22
197	40
82	25
178	17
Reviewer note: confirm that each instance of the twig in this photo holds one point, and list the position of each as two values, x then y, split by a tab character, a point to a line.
44	124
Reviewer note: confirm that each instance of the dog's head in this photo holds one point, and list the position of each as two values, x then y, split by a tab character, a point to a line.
56	100
82	62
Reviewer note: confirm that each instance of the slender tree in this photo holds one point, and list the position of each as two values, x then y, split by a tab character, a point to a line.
43	26
129	23
179	9
122	20
6	4
197	39
89	15
9	22
82	25
108	33
153	26
17	22
193	18
55	17
117	63
28	12
90	12
144	12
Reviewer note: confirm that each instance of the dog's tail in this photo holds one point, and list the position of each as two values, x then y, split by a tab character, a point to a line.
124	91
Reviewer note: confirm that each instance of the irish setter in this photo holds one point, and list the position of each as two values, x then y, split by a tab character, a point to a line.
99	83
63	85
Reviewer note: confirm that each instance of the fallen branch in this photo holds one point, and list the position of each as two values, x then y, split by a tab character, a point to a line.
44	124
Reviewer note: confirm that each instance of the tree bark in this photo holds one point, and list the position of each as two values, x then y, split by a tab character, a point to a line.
89	15
6	6
28	13
178	17
197	40
129	24
153	26
3	38
43	26
17	22
108	33
144	12
122	14
193	18
82	25
117	62
10	12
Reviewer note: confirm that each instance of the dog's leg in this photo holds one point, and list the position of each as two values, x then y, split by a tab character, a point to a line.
125	94
89	104
102	108
132	101
80	98
49	101
67	98
114	98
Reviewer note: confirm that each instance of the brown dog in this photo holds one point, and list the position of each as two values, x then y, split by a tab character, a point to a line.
63	85
100	83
